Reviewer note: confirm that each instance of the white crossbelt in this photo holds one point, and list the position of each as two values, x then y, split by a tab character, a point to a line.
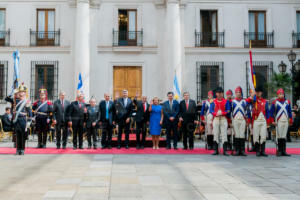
208	105
282	109
237	107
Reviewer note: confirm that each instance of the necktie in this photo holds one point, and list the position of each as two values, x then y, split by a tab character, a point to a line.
187	105
144	107
79	104
106	114
62	104
171	105
125	102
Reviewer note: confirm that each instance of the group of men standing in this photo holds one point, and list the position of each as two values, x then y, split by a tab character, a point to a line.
220	116
223	116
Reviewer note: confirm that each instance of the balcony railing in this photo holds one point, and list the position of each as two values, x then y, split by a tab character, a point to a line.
44	38
296	40
5	38
259	40
127	38
209	39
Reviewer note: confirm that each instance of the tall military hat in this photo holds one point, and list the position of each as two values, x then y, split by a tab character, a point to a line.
259	88
22	88
219	90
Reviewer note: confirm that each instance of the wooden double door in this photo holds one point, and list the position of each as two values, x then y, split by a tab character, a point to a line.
127	78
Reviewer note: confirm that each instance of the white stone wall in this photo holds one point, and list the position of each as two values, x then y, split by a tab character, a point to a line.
154	56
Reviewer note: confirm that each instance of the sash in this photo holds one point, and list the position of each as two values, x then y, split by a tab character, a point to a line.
22	104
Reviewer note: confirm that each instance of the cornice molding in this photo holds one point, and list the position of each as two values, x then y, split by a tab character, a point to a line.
93	3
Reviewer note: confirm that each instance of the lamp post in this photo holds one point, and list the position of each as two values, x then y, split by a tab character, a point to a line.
295	68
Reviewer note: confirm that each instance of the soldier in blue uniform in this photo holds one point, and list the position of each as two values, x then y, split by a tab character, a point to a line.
92	119
42	110
21	115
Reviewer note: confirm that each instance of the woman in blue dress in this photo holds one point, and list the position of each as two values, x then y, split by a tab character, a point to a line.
156	119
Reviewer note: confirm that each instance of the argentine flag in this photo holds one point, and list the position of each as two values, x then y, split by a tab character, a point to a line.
176	88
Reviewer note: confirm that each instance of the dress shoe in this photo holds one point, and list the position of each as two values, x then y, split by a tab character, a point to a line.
89	147
184	148
168	147
95	146
142	147
74	148
64	147
175	148
118	147
191	148
109	147
127	147
103	147
80	147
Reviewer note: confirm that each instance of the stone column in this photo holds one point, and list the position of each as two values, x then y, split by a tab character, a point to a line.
82	45
174	42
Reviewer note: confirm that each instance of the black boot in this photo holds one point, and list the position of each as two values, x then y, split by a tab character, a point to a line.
263	148
237	147
284	148
224	149
216	147
242	147
229	145
210	142
279	147
18	152
257	149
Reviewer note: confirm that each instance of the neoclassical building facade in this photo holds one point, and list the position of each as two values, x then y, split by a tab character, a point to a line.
140	45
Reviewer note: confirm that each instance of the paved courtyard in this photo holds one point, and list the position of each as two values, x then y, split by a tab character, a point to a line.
148	177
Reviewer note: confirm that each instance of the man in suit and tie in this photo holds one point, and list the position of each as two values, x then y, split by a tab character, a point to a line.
107	120
59	112
124	109
76	119
142	120
171	111
188	119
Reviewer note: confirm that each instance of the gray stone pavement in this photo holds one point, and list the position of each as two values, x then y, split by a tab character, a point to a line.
148	177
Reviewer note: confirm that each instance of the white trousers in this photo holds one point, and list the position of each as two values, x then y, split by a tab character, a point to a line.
259	129
220	129
282	127
239	126
209	125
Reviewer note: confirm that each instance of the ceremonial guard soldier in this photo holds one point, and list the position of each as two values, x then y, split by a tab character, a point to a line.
42	110
188	119
107	120
60	107
239	121
207	118
281	117
260	120
92	122
124	109
76	119
220	109
142	118
230	132
22	115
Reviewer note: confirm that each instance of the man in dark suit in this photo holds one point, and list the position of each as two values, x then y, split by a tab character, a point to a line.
92	119
107	120
188	119
171	111
6	120
59	111
142	120
124	109
76	119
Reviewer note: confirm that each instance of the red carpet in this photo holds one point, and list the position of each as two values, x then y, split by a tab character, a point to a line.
3	150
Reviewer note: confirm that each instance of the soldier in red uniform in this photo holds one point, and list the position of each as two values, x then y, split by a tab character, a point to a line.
260	120
42	110
220	109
